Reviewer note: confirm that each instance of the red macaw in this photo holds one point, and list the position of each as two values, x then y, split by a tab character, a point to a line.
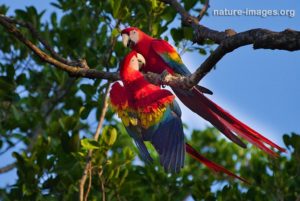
150	113
160	56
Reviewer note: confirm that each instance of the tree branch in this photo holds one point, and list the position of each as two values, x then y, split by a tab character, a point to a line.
203	10
192	80
76	71
35	34
7	168
47	106
228	41
260	38
90	182
88	164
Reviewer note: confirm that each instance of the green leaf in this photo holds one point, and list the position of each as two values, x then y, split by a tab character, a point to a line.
154	4
16	113
117	172
85	112
90	144
111	174
88	89
168	14
188	33
21	79
54	19
202	51
177	34
56	5
188	4
115	4
115	32
286	140
109	135
129	154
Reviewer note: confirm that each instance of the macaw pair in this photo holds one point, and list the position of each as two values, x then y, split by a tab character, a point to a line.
160	57
150	113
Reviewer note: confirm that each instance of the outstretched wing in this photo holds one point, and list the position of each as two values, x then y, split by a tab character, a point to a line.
119	102
170	56
168	140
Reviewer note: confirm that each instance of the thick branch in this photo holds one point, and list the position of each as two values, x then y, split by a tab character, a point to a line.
77	71
35	34
260	38
228	41
188	82
8	23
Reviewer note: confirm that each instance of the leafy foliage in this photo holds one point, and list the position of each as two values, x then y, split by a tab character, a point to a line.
53	116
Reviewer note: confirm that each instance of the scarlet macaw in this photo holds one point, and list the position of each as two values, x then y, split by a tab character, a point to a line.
150	113
160	56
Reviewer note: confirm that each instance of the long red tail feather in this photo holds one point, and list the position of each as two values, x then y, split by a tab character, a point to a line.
225	122
194	154
235	122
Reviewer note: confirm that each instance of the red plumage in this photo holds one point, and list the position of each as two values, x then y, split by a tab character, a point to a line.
141	93
214	166
118	96
160	56
139	98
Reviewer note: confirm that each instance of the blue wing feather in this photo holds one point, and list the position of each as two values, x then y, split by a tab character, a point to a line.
168	140
139	144
175	108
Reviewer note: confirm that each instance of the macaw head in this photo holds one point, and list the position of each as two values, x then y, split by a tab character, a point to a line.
131	36
132	62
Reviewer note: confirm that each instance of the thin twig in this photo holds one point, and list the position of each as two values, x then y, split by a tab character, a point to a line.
8	168
48	106
100	173
90	182
203	10
96	137
103	113
112	43
10	146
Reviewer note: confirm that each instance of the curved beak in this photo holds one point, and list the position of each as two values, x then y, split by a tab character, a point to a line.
141	60
125	39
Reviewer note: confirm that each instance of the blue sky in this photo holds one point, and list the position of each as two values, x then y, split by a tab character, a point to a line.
259	87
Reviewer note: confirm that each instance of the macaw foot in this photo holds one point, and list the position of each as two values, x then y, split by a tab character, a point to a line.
162	77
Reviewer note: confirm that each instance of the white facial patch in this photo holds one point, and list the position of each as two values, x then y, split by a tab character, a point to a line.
141	60
134	36
134	63
125	39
